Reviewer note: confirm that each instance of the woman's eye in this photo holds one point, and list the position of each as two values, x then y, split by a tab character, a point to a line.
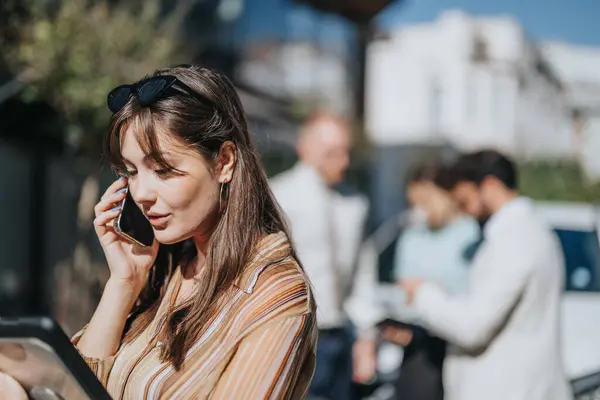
162	172
130	173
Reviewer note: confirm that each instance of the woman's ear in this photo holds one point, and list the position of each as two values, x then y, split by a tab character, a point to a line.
226	161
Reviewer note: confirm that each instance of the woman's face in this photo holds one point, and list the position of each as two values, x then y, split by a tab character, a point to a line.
436	203
179	204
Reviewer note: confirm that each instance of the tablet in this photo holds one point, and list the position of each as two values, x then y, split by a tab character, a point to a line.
394	323
37	353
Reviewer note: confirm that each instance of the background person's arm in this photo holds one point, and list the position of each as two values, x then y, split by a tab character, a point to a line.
471	321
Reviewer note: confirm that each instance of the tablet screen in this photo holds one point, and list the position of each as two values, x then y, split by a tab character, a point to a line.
35	365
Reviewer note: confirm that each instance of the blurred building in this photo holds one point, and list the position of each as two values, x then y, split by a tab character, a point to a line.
217	31
309	73
468	81
579	69
287	58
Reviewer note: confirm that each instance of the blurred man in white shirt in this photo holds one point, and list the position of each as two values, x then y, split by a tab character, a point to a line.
327	231
505	329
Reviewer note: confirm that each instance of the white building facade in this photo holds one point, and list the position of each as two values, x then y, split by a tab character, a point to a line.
468	81
578	67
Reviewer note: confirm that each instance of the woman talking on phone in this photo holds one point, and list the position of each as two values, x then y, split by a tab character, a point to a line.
217	307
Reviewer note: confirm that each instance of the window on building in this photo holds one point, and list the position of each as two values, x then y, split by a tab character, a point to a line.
582	259
499	99
471	94
436	105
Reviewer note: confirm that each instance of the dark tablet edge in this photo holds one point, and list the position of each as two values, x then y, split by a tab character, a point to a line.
49	332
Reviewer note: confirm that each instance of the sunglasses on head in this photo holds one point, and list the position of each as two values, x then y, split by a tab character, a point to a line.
147	91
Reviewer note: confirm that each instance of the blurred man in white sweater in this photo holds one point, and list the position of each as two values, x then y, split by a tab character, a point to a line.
505	329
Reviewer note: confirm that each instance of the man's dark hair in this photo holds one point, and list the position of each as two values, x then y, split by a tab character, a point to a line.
424	172
435	172
475	167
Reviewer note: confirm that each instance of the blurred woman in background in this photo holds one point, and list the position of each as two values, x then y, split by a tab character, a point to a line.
437	249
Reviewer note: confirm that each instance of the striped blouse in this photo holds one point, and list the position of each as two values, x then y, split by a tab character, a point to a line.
261	345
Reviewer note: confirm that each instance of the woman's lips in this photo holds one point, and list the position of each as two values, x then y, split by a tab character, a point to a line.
158	220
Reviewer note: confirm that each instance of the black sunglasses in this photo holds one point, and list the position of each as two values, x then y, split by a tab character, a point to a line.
147	91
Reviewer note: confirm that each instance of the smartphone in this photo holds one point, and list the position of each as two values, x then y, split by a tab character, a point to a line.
133	225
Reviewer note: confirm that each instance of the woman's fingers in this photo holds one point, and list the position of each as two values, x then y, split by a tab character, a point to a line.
10	388
115	187
104	219
108	203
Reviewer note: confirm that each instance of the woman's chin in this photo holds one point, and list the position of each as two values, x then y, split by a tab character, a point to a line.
169	237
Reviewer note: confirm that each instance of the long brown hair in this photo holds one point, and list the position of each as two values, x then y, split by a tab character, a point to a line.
207	120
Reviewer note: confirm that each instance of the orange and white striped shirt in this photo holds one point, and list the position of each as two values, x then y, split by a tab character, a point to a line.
261	345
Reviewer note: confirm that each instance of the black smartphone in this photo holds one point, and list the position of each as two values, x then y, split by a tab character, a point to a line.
133	225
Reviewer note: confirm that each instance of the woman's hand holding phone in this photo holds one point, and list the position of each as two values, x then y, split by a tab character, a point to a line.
129	266
129	263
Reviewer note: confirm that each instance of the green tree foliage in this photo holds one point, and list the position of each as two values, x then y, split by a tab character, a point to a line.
554	181
70	53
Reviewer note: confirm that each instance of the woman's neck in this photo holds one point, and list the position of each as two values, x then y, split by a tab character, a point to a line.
194	268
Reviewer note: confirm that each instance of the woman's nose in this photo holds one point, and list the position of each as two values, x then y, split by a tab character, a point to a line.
143	192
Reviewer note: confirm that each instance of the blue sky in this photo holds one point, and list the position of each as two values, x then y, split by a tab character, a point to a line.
575	21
